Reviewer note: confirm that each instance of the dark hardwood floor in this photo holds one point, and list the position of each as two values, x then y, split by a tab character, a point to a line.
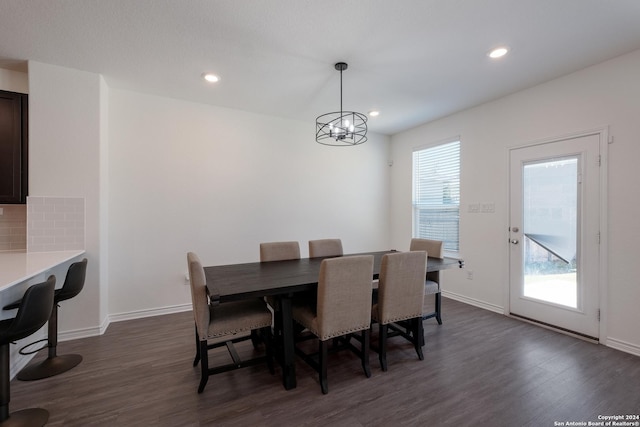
480	369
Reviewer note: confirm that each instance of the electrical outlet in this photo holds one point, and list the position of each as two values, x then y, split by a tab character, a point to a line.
469	275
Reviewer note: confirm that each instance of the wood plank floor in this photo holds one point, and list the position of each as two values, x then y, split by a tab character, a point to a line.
480	369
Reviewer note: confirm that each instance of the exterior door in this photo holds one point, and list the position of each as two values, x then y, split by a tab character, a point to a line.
554	233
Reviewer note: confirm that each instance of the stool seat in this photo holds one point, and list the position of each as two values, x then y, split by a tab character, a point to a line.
33	312
55	364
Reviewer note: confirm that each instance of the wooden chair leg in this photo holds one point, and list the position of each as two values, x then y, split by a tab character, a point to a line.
382	343
197	359
324	345
255	339
204	365
364	352
438	308
418	336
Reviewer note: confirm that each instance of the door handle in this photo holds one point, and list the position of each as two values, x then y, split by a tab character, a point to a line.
514	241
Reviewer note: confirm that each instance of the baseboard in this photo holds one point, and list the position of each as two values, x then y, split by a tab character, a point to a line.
119	317
84	332
609	342
471	301
139	314
623	346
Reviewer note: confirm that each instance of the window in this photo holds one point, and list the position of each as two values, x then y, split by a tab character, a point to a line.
436	194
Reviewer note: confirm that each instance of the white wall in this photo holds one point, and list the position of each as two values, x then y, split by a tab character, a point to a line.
14	81
607	94
64	161
191	177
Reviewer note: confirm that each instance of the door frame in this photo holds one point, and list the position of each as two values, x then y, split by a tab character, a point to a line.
604	140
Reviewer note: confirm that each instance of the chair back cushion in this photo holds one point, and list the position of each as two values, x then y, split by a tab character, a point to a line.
344	295
325	248
73	282
401	286
434	249
199	299
279	251
33	312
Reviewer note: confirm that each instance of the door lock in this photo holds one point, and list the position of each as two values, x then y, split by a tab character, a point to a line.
515	229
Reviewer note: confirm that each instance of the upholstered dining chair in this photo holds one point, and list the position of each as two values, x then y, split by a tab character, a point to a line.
400	296
343	308
434	249
33	312
325	248
56	364
228	322
278	251
318	249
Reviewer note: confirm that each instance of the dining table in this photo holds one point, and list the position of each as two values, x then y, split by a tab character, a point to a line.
283	279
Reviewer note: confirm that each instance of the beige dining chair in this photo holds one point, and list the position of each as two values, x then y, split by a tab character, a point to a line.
343	308
325	248
278	251
400	296
432	307
227	323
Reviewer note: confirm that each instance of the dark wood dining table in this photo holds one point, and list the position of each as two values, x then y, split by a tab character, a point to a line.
283	279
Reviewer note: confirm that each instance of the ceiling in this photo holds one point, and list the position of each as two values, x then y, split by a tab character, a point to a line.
414	60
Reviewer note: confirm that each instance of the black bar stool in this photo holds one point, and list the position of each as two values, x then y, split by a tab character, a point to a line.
33	312
54	364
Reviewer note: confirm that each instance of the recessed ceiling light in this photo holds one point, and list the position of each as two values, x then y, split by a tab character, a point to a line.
498	52
211	78
374	113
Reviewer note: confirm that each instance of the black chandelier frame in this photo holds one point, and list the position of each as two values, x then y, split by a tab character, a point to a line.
341	128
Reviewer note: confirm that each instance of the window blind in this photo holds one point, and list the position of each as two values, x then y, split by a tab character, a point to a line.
436	194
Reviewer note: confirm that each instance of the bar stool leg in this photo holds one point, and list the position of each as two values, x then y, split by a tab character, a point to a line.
26	417
53	364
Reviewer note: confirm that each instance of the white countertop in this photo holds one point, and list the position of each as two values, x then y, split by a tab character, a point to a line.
18	266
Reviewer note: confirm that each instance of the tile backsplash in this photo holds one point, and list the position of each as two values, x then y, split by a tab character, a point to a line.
13	227
55	224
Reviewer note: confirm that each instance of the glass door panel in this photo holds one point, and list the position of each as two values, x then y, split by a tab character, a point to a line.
550	223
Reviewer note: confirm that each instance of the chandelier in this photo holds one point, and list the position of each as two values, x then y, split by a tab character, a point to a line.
341	128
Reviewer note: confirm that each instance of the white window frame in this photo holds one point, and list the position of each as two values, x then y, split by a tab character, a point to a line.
444	205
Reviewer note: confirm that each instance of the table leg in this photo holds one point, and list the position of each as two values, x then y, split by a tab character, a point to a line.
288	351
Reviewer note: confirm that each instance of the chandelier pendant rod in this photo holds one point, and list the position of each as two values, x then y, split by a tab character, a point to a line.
341	95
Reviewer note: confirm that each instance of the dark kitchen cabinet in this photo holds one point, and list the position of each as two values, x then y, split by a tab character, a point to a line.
13	147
